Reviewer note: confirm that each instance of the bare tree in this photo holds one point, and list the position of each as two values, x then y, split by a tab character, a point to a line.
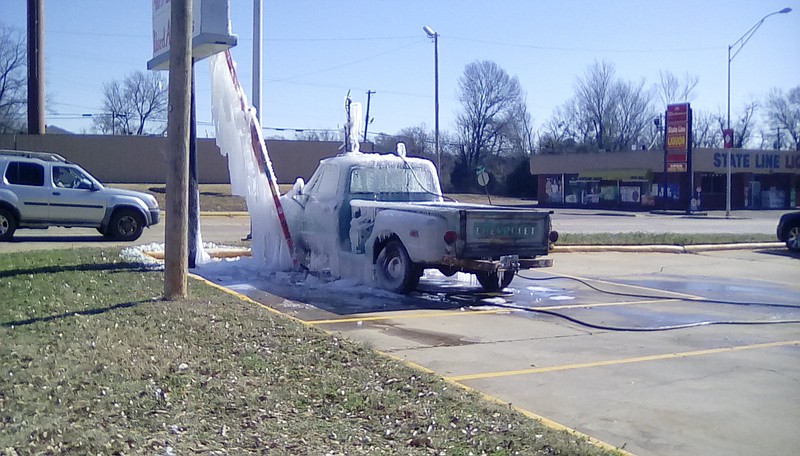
318	135
706	131
671	90
116	110
419	141
594	100
519	132
605	113
13	80
491	101
148	94
128	105
631	115
743	130
783	113
492	104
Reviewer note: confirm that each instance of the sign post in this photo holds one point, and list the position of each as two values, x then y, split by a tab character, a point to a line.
184	31
678	145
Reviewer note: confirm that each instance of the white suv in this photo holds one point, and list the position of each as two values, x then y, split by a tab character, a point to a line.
40	189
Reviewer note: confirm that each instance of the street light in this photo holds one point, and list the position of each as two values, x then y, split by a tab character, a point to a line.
431	34
740	42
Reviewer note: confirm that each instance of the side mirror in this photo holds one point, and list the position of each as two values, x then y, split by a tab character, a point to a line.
296	193
299	185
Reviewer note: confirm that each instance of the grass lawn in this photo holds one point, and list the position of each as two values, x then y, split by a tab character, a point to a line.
94	362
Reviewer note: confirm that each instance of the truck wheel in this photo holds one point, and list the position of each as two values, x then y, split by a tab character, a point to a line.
491	281
394	269
793	238
126	225
8	224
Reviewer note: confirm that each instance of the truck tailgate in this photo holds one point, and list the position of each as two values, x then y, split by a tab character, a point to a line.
490	233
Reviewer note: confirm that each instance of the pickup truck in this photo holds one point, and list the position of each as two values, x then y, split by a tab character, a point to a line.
41	189
382	218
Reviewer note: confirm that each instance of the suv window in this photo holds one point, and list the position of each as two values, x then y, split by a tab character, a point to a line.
66	177
22	173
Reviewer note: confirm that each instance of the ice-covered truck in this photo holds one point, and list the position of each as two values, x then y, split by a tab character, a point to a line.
382	217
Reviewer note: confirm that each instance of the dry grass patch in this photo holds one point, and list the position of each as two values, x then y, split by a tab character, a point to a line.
94	362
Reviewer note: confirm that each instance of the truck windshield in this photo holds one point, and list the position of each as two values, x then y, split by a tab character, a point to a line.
400	179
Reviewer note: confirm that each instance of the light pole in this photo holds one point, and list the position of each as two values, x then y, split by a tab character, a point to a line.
431	34
740	43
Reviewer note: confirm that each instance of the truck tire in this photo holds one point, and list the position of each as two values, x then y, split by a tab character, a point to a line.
394	269
8	224
126	225
491	281
793	238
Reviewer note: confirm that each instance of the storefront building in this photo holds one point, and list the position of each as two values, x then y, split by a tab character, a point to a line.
635	180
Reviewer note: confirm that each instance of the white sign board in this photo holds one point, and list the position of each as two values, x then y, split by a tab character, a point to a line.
211	31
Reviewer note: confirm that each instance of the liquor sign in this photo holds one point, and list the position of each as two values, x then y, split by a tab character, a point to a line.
211	31
679	137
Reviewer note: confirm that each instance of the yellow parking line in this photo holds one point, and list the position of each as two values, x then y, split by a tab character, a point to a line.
545	421
613	362
403	316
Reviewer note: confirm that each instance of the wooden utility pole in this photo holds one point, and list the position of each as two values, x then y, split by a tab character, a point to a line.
36	124
178	124
366	119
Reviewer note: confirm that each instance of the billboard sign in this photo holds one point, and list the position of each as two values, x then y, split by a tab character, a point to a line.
211	32
679	137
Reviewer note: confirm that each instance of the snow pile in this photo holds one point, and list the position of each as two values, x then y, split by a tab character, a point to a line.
239	138
136	254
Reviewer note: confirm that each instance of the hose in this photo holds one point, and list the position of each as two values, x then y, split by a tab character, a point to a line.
651	328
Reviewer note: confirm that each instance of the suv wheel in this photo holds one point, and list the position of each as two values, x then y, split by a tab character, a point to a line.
126	225
8	224
793	238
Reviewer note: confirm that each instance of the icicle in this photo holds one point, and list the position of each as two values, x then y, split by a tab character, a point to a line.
352	126
249	165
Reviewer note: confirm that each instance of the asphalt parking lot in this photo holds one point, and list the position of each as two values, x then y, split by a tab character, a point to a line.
712	389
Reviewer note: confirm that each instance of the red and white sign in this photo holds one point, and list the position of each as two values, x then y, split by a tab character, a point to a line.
727	136
678	128
211	31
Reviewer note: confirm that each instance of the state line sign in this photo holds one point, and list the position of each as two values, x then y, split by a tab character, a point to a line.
211	31
678	144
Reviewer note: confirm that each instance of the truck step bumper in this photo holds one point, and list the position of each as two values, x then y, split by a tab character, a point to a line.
492	265
536	263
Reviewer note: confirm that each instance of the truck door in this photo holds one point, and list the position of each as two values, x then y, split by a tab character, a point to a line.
321	215
28	183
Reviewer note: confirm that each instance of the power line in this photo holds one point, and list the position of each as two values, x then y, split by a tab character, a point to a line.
578	49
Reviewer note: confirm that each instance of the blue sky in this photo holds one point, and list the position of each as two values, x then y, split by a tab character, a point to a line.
315	51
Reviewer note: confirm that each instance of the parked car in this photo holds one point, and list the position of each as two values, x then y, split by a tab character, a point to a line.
41	189
789	230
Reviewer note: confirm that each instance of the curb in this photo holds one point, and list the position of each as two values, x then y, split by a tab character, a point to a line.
230	214
246	252
665	248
